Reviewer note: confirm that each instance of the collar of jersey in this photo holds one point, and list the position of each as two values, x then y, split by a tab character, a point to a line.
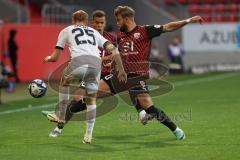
132	30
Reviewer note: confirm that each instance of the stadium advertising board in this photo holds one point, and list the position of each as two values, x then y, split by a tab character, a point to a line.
212	37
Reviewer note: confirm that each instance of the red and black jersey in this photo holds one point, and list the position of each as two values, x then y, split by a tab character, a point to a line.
106	67
134	47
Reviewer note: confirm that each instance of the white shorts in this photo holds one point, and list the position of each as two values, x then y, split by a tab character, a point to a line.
89	74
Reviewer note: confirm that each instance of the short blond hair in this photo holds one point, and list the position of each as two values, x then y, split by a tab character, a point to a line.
80	16
124	11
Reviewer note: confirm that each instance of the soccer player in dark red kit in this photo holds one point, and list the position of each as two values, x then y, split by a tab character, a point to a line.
134	42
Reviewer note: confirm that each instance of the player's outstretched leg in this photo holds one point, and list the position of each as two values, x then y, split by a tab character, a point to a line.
146	102
165	120
143	116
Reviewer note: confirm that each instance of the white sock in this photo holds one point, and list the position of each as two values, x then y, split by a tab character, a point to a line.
91	116
58	129
142	114
63	101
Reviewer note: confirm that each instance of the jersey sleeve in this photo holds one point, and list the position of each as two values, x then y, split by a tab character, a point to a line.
62	39
154	30
114	40
100	40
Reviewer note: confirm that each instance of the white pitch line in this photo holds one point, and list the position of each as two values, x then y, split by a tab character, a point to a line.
26	109
176	84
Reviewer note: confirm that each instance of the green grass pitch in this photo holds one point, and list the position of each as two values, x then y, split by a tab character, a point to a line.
206	107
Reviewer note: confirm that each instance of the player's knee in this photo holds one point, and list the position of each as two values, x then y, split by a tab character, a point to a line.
145	103
145	100
103	90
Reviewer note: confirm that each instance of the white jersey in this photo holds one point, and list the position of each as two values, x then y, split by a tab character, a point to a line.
81	40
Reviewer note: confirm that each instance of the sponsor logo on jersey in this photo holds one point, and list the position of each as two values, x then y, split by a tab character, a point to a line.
137	35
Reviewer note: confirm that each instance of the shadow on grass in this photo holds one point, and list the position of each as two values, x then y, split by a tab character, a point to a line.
116	143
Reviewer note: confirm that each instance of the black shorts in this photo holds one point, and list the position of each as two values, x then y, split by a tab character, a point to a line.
135	83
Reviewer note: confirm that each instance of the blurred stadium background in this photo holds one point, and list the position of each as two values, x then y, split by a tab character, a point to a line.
212	47
201	77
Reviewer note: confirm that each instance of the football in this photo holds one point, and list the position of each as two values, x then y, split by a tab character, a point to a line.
37	88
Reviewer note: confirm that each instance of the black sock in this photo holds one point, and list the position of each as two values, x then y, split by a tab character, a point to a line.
162	117
73	107
77	106
138	108
60	125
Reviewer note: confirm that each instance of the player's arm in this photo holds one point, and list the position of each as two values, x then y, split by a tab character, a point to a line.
54	56
62	40
109	57
172	26
156	30
108	46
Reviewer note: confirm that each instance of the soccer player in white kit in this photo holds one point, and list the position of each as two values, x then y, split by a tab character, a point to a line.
85	65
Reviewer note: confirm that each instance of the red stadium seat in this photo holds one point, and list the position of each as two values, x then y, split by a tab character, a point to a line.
194	1
235	1
184	2
194	9
232	18
223	1
170	2
220	8
207	9
233	8
208	1
219	18
207	18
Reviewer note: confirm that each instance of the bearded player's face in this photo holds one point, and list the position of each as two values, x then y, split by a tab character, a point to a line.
99	23
121	23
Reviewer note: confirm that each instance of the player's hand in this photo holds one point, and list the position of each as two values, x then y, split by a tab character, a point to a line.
122	76
109	57
47	59
196	19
